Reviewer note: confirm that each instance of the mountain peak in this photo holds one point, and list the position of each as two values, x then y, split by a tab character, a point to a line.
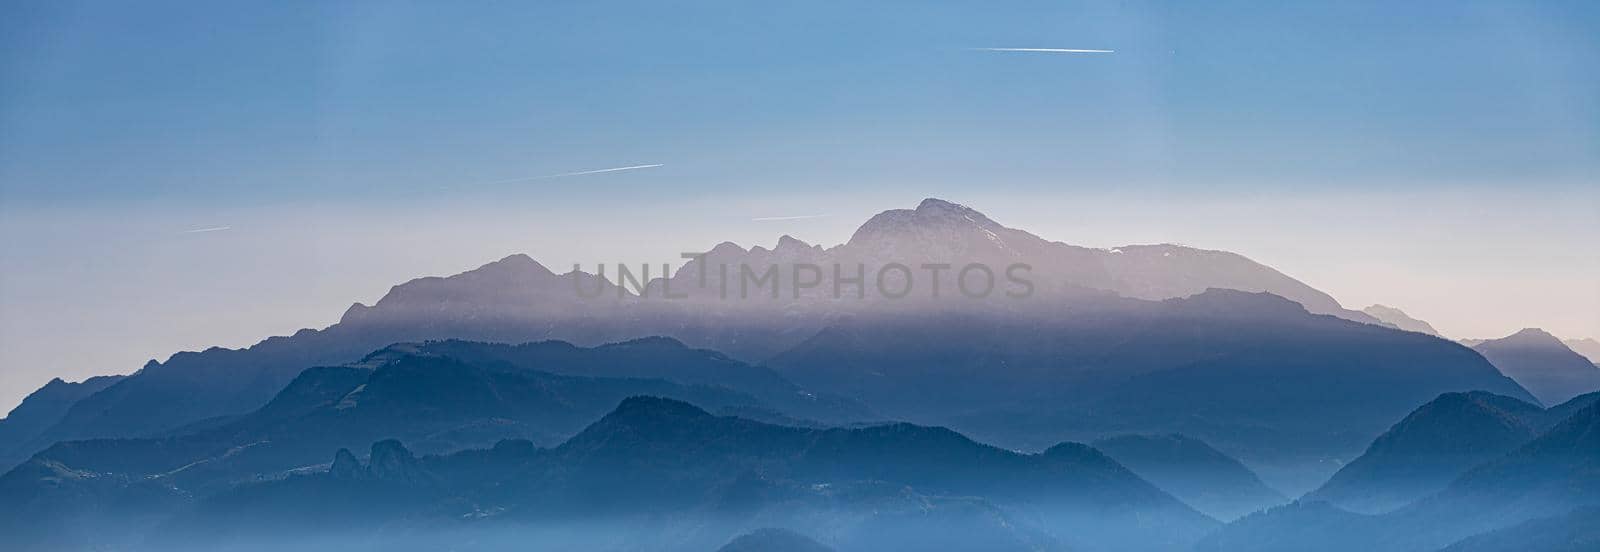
934	221
644	410
642	418
1426	450
1461	422
517	263
656	343
787	242
936	204
939	208
1399	319
1533	336
391	461
345	465
1235	304
1542	364
773	540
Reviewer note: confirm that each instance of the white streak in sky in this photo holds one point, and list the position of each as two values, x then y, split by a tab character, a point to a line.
794	217
209	229
578	173
1047	50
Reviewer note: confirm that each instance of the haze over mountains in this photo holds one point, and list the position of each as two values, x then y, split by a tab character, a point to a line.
517	300
860	410
1588	347
1071	349
1191	470
1434	445
1399	319
1542	364
1545	487
666	475
1531	356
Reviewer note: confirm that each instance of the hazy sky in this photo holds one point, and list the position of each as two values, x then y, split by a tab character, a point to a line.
179	176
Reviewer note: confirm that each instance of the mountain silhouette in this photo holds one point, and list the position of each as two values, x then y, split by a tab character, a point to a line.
1191	470
1578	531
1541	483
1588	347
1567	409
1064	350
773	540
1399	319
1543	365
42	408
415	392
517	300
678	478
1430	448
1310	386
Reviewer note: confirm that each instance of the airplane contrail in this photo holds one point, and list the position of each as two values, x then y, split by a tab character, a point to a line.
576	173
1048	50
794	217
208	229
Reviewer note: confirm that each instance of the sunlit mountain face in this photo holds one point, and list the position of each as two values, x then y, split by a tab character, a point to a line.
800	277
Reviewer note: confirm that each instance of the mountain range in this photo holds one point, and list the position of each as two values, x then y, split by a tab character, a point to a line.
441	397
847	410
665	475
1003	369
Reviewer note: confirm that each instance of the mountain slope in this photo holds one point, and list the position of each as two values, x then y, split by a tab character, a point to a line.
1578	531
1555	414
1252	374
657	358
1399	319
1542	364
773	540
513	299
1429	448
440	404
1556	474
1588	347
43	408
1191	470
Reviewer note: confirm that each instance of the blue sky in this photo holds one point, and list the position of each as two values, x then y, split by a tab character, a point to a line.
242	101
1443	157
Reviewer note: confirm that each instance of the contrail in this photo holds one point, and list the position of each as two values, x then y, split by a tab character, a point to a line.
1047	50
795	217
578	173
210	229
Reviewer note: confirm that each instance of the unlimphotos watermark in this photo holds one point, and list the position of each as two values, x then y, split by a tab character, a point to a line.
795	280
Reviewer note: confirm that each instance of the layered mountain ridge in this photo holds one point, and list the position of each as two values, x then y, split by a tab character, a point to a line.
1542	364
1429	448
517	300
1551	483
1399	319
1082	341
666	475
